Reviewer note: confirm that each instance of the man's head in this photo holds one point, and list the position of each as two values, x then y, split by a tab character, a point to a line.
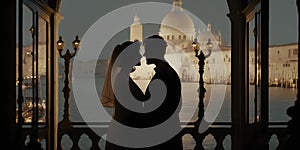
155	46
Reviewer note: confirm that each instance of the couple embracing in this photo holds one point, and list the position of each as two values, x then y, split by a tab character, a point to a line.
142	120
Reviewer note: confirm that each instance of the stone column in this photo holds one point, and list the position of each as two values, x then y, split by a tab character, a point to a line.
263	139
55	19
8	79
238	79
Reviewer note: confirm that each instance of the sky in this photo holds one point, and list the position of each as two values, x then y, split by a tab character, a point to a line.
80	15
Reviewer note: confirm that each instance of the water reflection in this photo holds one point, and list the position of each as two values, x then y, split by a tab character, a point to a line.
280	100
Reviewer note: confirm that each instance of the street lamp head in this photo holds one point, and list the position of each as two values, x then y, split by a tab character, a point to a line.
195	45
60	44
209	44
76	43
32	30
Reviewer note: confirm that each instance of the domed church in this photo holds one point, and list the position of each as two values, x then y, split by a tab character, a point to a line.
178	29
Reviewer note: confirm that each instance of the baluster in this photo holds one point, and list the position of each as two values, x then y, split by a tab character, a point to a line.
95	140
219	139
198	139
59	145
75	139
281	139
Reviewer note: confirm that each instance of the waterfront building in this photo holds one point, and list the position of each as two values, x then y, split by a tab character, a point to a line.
283	65
282	58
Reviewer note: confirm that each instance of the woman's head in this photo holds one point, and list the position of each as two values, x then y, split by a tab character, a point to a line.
132	48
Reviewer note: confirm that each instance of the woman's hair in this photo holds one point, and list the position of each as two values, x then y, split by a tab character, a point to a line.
117	51
133	50
107	97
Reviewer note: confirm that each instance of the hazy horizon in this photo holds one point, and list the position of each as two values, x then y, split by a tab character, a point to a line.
79	16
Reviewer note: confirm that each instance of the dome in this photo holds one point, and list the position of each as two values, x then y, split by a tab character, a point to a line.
179	20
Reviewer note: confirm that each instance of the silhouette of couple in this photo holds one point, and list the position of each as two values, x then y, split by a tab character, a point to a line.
143	120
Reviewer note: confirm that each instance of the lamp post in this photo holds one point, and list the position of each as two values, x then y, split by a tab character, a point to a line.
201	57
67	57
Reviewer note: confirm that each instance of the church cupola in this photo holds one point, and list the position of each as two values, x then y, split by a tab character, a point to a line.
177	5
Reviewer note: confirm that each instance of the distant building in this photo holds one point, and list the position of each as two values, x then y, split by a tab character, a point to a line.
178	29
217	69
27	60
283	64
136	30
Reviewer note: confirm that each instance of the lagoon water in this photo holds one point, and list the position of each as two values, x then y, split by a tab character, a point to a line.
217	105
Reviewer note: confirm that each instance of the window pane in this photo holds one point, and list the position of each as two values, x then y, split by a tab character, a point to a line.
26	63
282	59
42	68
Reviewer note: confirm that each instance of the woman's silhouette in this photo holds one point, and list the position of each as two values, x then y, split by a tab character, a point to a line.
122	114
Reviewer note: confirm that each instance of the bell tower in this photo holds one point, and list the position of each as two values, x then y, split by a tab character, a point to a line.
136	29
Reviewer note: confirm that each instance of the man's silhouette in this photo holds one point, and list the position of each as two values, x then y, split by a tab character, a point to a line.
155	49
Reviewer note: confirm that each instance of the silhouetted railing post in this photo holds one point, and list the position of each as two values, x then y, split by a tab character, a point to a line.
201	89
294	111
66	90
